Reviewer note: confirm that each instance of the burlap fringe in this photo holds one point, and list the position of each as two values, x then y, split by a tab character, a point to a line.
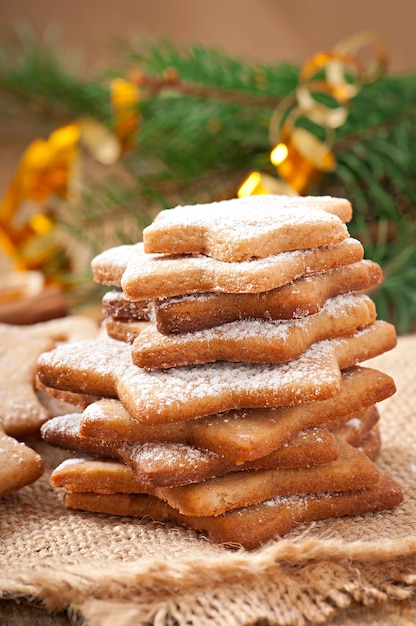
286	584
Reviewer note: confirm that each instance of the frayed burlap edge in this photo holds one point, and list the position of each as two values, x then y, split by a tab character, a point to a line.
288	583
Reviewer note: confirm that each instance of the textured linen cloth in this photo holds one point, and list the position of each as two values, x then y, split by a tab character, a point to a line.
124	572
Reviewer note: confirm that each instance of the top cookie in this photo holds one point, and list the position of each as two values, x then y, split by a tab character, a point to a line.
246	228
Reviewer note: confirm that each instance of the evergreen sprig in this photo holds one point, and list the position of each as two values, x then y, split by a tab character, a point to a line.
201	135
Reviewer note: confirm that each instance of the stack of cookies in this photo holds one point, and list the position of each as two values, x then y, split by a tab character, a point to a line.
225	391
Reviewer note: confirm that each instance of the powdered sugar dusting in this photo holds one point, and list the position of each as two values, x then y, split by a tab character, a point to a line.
160	276
62	424
98	410
238	229
257	212
71	463
354	422
108	266
173	456
89	366
192	391
102	355
275	330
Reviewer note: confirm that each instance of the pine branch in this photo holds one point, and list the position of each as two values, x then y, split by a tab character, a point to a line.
212	68
37	79
205	125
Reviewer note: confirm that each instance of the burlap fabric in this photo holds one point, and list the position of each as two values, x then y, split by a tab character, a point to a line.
124	572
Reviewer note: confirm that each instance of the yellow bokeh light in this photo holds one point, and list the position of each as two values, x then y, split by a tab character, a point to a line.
279	154
41	224
250	186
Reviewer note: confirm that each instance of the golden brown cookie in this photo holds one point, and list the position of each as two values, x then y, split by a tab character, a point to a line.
91	367
19	464
66	400
252	526
20	409
109	267
171	463
356	428
115	305
245	228
160	276
187	392
253	341
101	475
248	433
371	445
103	367
123	330
351	471
300	298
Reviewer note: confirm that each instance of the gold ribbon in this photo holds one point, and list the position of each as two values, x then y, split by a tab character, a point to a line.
46	170
302	126
125	97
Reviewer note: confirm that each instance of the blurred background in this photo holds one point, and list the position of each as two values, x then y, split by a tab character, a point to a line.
259	30
208	81
267	30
